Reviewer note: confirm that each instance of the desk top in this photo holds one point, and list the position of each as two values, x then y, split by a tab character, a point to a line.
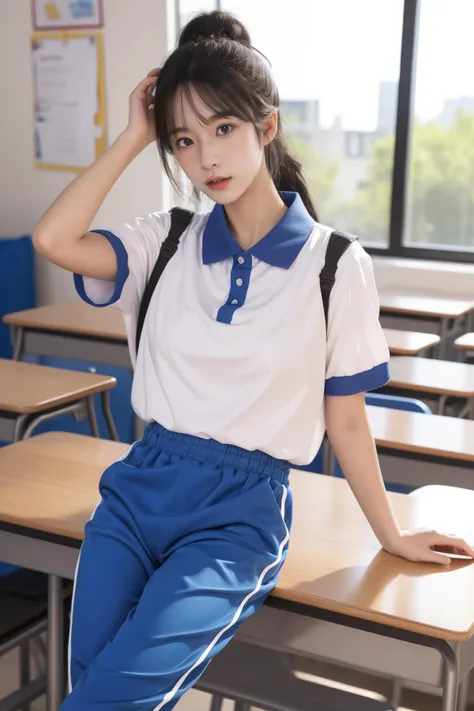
430	435
73	317
420	305
429	375
465	342
409	342
49	483
28	388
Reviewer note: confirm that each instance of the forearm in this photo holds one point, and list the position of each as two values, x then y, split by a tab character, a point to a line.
355	450
70	215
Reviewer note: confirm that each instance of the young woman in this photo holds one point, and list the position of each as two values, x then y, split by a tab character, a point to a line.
235	376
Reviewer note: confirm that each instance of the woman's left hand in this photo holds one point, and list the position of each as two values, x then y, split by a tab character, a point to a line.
427	546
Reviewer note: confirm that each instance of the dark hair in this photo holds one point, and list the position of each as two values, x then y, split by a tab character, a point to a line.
215	57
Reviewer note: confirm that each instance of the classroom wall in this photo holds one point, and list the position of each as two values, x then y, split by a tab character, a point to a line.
136	40
443	279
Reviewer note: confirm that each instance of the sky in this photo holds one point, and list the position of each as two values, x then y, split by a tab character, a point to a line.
338	51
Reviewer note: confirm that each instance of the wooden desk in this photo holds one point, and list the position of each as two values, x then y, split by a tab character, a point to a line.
465	346
448	316
420	305
429	436
436	378
416	449
335	569
75	330
409	343
72	329
31	394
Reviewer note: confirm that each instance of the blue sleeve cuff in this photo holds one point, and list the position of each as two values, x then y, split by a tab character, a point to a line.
122	271
359	383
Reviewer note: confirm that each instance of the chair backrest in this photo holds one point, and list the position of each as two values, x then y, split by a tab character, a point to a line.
396	402
7	569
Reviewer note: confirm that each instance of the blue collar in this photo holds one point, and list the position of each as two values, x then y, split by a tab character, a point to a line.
279	247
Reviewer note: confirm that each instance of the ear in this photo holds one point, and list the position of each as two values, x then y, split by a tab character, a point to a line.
270	128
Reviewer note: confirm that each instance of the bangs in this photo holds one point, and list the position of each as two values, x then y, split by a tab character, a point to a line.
228	101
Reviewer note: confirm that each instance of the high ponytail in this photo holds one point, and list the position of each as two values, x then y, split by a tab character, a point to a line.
287	171
216	57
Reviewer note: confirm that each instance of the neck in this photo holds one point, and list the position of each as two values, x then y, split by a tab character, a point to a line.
256	212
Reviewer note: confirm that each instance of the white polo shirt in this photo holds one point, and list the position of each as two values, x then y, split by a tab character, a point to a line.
234	343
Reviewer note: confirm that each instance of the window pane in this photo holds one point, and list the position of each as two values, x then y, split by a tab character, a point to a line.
336	65
441	178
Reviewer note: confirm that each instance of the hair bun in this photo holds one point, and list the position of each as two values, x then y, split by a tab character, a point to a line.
212	25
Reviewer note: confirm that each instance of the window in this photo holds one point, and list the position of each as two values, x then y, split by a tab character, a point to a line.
377	99
337	75
440	204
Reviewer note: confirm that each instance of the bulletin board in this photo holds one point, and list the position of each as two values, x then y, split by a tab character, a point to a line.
69	99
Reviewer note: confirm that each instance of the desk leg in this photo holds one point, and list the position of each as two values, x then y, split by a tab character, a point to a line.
441	404
91	416
19	430
463	694
443	334
451	681
55	643
470	408
17	341
105	397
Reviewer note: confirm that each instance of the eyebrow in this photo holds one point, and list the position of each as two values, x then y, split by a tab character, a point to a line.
210	120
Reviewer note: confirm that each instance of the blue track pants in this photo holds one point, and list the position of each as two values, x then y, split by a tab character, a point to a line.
186	543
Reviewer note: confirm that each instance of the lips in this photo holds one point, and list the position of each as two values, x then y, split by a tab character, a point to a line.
219	179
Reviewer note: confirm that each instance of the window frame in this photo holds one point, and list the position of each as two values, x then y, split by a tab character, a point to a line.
400	171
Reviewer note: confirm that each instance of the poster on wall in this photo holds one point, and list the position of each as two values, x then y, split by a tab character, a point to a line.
69	99
67	14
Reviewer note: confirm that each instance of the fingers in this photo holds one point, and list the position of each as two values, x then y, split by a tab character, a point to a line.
147	82
154	72
145	86
439	558
453	544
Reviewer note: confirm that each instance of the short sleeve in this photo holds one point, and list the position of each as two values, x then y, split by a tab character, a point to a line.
357	352
136	245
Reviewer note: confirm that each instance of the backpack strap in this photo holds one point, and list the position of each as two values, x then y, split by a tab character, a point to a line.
180	219
337	245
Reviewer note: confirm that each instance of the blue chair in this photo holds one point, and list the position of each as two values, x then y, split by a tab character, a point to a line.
17	283
7	569
395	402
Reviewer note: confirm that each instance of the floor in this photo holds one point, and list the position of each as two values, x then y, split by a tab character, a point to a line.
198	701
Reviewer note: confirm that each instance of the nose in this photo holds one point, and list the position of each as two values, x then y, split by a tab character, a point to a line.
208	155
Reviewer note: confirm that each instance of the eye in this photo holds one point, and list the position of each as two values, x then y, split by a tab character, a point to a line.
226	126
179	145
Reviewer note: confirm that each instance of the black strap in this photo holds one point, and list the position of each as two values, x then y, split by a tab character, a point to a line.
180	220
337	245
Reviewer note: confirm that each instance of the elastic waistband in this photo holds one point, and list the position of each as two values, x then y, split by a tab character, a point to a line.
209	450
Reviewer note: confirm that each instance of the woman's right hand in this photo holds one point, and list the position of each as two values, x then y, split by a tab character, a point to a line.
141	120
